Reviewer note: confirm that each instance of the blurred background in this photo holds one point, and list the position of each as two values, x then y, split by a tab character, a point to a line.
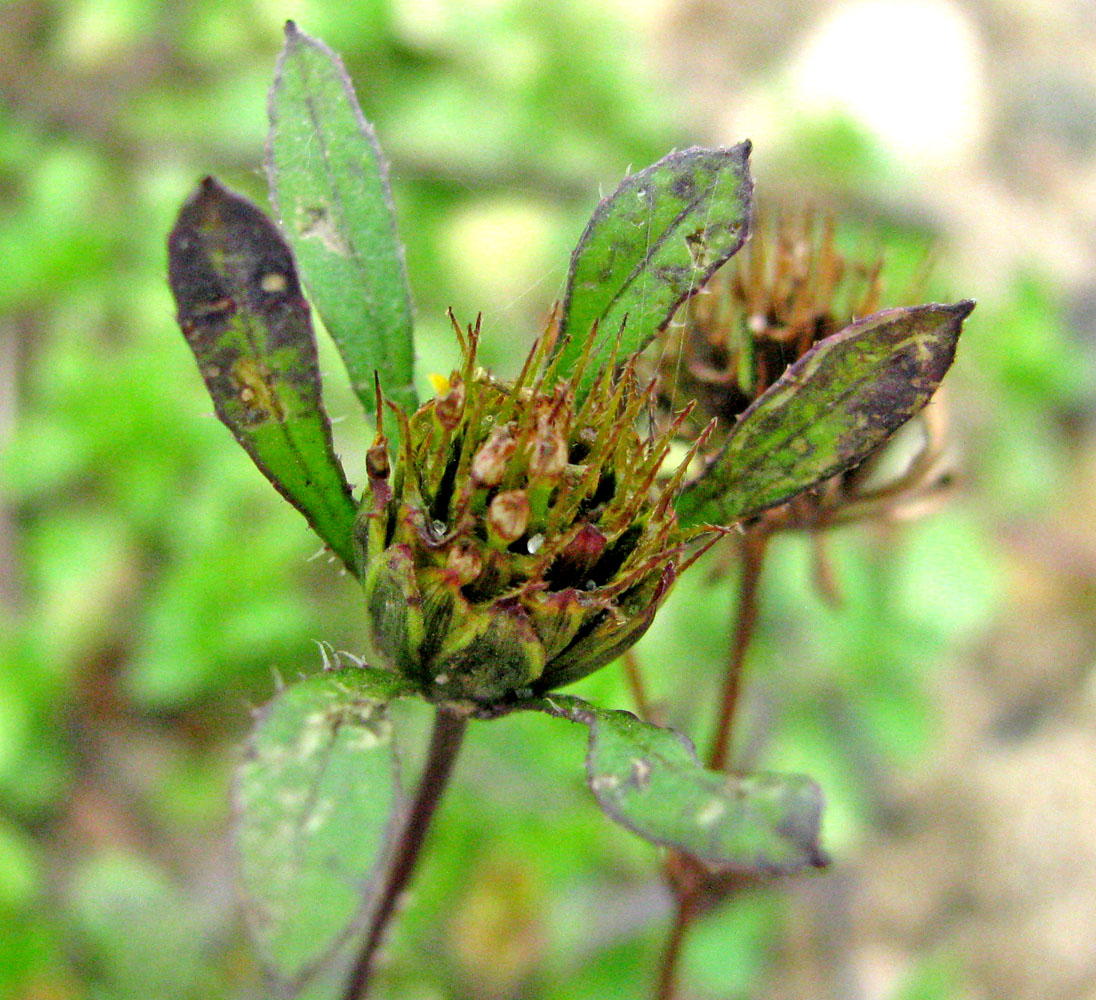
153	586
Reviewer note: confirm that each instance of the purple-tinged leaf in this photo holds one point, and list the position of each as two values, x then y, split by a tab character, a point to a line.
827	412
241	310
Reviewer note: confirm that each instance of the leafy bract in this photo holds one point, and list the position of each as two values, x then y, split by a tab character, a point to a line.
329	184
241	310
315	805
649	780
828	411
648	247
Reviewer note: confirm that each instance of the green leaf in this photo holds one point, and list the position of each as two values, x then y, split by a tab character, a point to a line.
241	310
650	246
315	805
828	411
649	780
329	183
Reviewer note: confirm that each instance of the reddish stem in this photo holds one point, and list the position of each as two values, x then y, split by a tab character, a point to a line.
684	875
445	743
634	676
666	988
753	543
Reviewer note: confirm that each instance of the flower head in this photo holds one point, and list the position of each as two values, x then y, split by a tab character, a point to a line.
519	540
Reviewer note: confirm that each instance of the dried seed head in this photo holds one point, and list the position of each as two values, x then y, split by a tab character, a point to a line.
522	545
787	290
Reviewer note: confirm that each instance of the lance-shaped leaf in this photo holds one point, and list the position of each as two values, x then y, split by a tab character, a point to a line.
315	803
828	411
649	780
651	245
329	183
241	310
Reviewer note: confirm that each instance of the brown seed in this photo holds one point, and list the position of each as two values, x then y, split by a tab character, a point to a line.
464	560
508	516
450	407
376	460
547	450
489	463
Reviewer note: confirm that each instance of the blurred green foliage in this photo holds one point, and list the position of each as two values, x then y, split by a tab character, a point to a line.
152	585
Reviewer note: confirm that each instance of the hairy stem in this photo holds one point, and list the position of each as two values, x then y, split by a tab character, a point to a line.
445	744
753	543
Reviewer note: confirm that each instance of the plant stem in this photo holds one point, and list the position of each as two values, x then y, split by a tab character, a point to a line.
445	744
684	875
666	988
634	675
753	543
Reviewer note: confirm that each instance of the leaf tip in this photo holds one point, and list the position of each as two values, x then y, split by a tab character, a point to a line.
208	192
963	309
209	187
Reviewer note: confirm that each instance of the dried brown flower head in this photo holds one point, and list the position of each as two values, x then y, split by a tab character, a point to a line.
789	289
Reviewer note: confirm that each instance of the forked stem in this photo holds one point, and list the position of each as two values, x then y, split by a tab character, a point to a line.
445	744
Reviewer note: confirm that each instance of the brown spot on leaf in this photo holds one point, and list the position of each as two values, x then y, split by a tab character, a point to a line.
317	224
253	386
